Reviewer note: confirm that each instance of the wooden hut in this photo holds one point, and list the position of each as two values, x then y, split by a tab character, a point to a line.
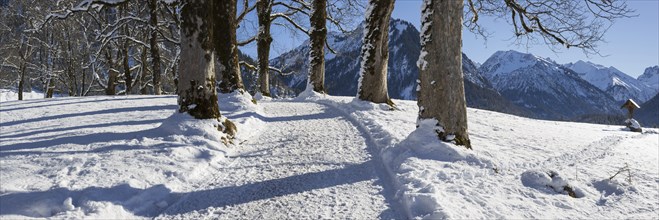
630	105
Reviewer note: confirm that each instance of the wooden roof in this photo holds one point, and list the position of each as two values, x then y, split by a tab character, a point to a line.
630	103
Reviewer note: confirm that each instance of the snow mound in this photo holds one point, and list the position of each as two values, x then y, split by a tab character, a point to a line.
308	95
543	181
425	189
633	125
237	101
183	128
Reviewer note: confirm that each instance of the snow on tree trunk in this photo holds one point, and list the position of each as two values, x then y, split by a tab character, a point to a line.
112	75
153	43
196	86
227	46
318	35
375	52
441	86
264	39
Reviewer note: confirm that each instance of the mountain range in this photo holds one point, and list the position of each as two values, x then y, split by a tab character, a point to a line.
509	81
613	81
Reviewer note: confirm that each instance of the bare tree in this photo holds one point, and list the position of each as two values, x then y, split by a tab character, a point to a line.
375	53
567	23
197	95
441	88
558	23
196	84
155	49
317	39
227	45
263	41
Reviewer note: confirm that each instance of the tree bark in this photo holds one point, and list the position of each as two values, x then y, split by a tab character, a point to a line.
50	86
196	86
264	39
375	53
318	35
153	43
112	74
21	82
226	45
128	78
144	88
441	94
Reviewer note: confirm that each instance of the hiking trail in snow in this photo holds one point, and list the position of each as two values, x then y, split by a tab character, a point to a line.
308	161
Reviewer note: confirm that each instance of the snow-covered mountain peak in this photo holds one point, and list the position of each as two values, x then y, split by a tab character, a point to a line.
400	25
543	86
613	81
503	62
651	77
584	66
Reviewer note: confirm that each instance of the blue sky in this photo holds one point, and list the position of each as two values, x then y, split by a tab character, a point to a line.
632	43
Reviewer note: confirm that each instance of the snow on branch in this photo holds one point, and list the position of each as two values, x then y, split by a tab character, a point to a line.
271	68
83	6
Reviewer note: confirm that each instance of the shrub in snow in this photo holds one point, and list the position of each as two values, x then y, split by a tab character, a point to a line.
550	180
624	169
633	125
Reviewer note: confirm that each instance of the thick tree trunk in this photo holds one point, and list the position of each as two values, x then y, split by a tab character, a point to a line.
264	39
226	45
317	41
441	94
196	84
153	43
375	52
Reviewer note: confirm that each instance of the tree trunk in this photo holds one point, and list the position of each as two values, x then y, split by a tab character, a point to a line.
24	60
153	43
441	94
263	9
21	82
50	86
375	52
144	88
127	77
226	45
196	86
317	37
112	74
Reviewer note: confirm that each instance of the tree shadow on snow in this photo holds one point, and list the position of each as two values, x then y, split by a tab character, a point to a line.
140	202
159	199
281	118
25	104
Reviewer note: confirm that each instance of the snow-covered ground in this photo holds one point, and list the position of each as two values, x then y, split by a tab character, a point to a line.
312	157
11	95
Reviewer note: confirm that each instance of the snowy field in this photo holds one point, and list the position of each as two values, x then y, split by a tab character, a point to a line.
312	157
12	95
